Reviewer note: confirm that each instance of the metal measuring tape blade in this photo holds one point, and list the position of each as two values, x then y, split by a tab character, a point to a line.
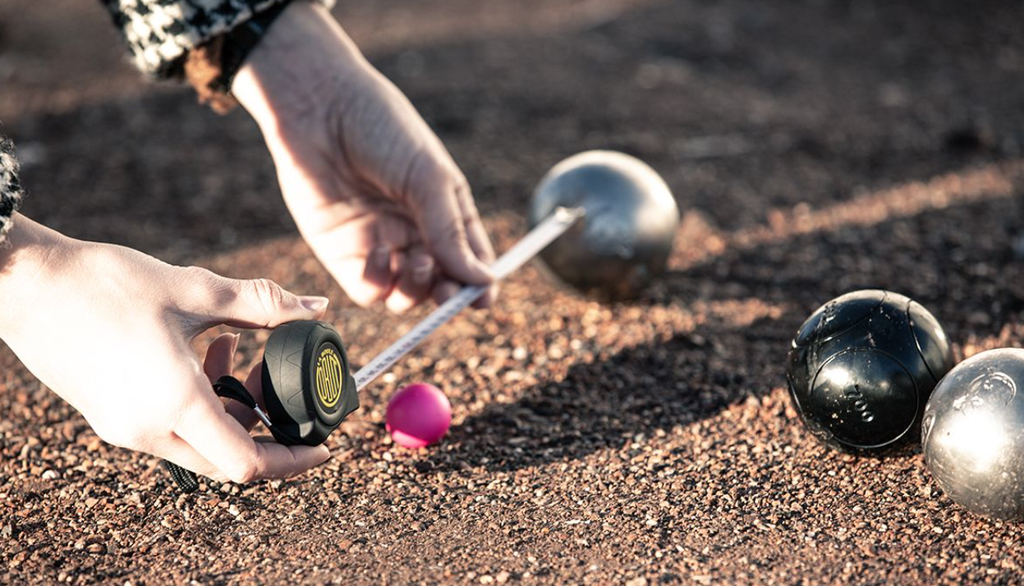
528	247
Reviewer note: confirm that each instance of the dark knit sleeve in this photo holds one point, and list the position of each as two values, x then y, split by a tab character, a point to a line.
10	187
161	32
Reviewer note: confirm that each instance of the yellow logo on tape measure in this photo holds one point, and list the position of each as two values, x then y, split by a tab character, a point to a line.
330	378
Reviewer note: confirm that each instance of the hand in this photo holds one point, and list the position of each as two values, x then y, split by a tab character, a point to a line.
110	330
372	189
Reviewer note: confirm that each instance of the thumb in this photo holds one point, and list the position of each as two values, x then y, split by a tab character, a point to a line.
262	303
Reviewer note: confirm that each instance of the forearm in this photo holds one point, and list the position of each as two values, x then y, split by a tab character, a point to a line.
268	85
28	251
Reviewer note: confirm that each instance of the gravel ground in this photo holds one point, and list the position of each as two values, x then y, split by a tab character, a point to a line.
815	147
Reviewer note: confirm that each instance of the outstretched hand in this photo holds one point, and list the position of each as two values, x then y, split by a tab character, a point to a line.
372	189
110	330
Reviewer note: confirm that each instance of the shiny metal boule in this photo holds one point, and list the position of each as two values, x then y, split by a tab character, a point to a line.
626	237
973	434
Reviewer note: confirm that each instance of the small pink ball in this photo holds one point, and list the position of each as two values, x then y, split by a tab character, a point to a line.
418	415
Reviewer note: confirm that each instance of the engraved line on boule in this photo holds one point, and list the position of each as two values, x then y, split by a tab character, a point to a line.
528	247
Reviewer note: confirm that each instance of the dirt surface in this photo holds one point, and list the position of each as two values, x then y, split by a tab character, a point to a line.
816	147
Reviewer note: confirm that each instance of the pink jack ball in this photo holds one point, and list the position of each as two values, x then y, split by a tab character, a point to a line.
418	415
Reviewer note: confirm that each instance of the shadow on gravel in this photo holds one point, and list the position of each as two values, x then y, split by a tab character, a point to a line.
647	389
609	403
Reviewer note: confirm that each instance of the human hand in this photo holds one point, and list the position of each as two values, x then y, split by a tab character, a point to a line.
110	330
373	191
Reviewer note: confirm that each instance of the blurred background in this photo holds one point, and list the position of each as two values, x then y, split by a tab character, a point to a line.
743	106
814	147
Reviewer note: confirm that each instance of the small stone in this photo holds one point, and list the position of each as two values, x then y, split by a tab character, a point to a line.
97	548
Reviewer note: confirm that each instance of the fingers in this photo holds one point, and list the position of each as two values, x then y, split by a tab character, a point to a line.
380	258
178	451
415	278
227	446
259	303
444	290
377	272
245	416
478	239
220	356
220	362
364	281
359	254
438	212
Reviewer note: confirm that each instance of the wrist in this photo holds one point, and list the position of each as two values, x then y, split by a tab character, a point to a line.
300	60
28	251
211	67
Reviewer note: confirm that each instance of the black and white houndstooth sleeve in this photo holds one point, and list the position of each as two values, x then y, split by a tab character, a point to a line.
10	187
161	32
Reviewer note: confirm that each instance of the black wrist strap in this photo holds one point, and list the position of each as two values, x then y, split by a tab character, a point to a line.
241	40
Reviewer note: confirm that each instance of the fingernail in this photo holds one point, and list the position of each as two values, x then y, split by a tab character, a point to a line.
313	303
423	274
381	256
234	342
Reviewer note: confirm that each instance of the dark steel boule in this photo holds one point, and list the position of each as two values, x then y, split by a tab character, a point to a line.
862	366
624	240
973	434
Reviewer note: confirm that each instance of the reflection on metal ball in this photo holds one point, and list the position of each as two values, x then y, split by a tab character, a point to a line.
862	366
973	433
624	240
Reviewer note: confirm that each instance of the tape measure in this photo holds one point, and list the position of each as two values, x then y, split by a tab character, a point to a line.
308	386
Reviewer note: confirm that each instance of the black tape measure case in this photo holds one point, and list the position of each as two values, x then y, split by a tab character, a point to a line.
307	382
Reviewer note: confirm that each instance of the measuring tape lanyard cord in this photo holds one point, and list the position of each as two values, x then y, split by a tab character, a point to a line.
231	388
543	234
228	387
